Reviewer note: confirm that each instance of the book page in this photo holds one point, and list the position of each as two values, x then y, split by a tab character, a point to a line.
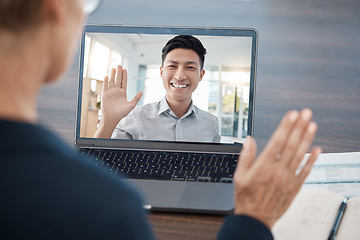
310	216
350	224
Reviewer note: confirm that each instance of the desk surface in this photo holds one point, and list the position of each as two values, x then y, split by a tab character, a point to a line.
177	226
309	56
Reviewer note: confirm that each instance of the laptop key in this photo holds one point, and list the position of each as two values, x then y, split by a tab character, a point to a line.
178	178
203	179
142	166
215	179
192	179
188	168
199	168
153	161
140	160
159	175
226	180
136	176
142	174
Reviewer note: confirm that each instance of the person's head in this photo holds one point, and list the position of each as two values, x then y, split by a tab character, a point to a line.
50	26
182	67
185	42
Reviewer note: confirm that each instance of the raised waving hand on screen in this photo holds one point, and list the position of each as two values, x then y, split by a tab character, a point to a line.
114	103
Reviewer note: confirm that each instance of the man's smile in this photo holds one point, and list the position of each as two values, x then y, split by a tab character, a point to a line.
179	86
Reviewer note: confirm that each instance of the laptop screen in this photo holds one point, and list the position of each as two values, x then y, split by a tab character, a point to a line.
180	108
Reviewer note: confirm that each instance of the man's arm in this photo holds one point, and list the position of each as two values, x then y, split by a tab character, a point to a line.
217	138
265	188
114	103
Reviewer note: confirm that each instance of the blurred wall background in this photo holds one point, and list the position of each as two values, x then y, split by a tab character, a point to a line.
309	56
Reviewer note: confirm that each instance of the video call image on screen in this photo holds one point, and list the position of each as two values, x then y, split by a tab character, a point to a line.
223	92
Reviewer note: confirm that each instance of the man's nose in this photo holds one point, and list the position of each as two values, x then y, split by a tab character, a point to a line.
180	74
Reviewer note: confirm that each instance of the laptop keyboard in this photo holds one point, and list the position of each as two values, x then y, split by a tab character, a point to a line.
175	166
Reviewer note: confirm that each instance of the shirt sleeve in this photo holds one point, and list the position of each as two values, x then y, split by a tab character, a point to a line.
217	135
241	227
120	134
127	128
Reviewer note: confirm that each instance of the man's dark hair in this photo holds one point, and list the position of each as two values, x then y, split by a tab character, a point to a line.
185	42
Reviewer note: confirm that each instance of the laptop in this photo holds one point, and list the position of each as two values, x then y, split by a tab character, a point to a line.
173	175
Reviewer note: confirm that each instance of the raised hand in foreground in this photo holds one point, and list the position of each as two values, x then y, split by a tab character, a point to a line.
265	188
114	103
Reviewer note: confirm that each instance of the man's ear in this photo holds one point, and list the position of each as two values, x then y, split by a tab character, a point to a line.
161	71
202	72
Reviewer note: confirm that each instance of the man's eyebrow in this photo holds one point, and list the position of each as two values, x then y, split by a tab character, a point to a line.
172	61
190	62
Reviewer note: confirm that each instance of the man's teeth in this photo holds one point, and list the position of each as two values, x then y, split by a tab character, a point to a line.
179	85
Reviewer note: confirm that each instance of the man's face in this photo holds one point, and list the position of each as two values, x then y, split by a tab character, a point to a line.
181	72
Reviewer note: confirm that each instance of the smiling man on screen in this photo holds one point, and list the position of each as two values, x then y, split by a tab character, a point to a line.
175	117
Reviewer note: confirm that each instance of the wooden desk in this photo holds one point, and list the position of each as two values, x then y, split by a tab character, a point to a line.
177	226
309	56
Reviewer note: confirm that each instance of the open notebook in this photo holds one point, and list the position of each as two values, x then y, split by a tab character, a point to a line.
312	216
177	169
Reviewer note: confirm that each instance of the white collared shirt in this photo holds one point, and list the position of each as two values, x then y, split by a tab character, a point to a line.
156	121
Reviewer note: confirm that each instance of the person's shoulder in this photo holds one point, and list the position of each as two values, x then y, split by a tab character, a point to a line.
84	179
112	195
109	184
33	140
82	191
48	157
204	114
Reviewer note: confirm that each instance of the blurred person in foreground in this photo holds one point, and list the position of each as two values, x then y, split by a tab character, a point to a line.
48	191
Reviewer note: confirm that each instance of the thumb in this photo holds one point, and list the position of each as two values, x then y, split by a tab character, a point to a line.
136	99
247	155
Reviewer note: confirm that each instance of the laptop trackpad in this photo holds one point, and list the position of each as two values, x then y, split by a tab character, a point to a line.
208	197
160	194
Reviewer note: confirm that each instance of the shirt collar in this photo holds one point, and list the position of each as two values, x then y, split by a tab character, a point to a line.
190	111
164	107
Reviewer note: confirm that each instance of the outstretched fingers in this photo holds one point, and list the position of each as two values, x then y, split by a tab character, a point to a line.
106	84
112	78
278	140
303	147
306	169
298	137
119	76
124	79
